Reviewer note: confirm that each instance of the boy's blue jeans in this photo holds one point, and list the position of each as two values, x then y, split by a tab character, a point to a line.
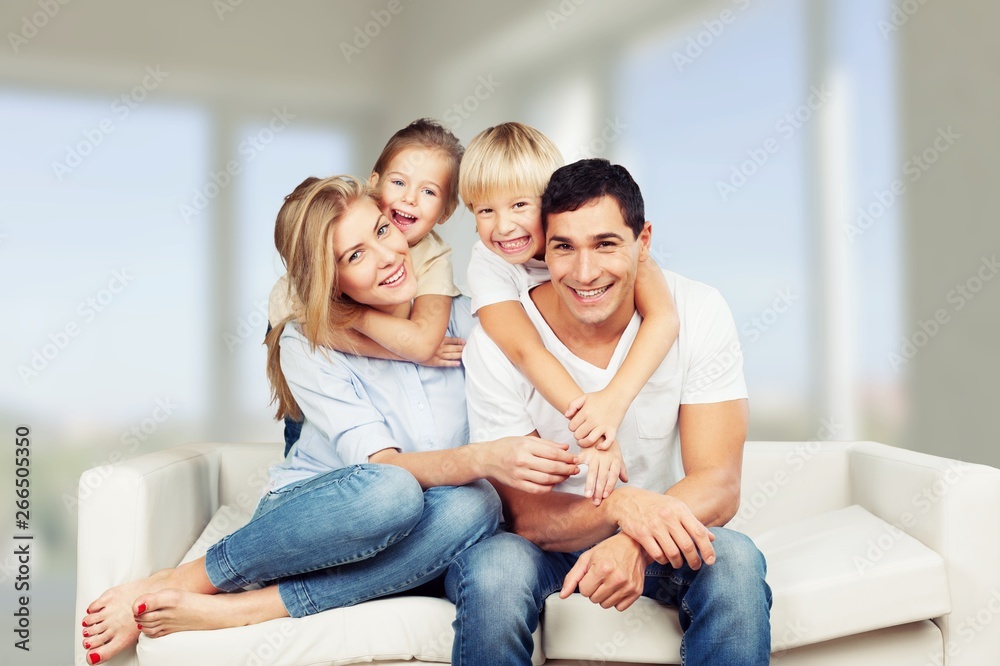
499	587
351	535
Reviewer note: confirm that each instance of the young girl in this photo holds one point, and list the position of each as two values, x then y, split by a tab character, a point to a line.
502	177
382	490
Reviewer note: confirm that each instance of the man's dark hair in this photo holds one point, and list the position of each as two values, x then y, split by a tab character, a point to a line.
576	185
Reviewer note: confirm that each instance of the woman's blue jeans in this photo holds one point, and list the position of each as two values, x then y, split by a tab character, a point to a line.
499	587
351	535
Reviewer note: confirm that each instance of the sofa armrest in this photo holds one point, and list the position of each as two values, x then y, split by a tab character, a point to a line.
140	516
954	509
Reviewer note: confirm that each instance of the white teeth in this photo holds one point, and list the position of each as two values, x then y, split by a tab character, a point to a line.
408	217
592	293
394	277
514	244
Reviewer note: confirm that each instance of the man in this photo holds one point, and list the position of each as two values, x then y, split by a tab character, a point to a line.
659	536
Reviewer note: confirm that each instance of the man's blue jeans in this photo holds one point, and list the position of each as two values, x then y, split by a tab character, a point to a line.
499	587
351	535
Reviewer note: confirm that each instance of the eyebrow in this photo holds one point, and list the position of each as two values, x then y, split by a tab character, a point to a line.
361	244
389	174
608	235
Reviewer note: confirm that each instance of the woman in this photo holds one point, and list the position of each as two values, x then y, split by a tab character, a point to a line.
379	495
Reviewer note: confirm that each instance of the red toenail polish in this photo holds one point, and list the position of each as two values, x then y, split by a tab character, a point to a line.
94	658
85	623
86	645
140	627
142	609
86	634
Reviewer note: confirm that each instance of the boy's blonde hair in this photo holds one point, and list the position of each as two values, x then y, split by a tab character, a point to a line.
429	134
507	158
303	235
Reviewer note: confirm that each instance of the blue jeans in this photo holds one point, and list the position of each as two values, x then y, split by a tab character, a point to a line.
499	587
351	535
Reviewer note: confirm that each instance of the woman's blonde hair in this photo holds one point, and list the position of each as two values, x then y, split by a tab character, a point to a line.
303	235
512	158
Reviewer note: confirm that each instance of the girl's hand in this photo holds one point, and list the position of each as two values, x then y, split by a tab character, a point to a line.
594	416
448	354
604	469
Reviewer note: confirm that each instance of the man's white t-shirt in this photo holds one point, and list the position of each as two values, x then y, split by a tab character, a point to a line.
492	280
705	365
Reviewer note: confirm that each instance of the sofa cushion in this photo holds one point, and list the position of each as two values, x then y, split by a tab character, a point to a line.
834	574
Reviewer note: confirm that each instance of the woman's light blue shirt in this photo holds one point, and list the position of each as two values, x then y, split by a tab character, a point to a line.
355	406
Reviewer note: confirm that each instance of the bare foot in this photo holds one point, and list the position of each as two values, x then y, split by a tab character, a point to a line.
109	626
169	611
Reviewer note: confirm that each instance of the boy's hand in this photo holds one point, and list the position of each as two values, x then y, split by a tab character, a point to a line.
594	416
448	354
604	469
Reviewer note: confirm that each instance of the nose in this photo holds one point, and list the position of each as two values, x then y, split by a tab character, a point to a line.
410	195
505	224
585	268
386	255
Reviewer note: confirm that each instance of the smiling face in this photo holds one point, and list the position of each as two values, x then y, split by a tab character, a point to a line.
373	260
414	190
511	226
593	258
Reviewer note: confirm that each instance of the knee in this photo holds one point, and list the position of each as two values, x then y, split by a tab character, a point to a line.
736	552
501	568
393	496
471	509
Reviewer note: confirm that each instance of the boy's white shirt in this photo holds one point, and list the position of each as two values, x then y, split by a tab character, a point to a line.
492	280
431	258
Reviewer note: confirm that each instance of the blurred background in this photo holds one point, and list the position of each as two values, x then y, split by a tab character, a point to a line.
828	165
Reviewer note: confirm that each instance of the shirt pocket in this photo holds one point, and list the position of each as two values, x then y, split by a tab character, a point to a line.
656	410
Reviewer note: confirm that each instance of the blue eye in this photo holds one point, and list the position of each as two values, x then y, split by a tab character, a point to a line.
354	256
383	230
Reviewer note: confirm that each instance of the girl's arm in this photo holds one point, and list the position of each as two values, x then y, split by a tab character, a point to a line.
599	414
419	339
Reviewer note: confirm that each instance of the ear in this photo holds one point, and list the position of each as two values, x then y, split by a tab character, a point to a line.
446	214
644	239
373	180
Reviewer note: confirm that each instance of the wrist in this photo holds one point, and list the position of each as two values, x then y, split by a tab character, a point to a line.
614	505
476	453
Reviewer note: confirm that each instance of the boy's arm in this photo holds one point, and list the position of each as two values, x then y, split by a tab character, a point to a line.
599	414
416	339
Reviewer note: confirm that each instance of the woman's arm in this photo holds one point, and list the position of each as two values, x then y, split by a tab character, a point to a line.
530	464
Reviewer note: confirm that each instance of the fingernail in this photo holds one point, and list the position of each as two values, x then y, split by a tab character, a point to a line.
94	657
142	609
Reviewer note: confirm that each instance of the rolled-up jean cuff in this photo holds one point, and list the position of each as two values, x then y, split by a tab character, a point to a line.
222	576
297	601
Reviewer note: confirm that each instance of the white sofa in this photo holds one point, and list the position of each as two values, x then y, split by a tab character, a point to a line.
876	555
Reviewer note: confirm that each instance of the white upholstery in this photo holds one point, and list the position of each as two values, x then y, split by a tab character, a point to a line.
865	545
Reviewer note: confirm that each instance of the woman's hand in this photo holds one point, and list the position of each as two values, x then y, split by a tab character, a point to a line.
528	463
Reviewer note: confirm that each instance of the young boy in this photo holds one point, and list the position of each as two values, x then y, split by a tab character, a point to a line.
501	180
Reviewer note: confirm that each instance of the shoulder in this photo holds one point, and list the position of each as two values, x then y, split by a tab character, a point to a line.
695	300
429	247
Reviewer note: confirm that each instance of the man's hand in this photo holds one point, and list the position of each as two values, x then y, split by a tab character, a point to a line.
594	416
447	355
530	464
612	573
664	526
604	468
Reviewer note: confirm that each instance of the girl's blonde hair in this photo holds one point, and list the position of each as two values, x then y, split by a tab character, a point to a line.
511	157
429	134
303	235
